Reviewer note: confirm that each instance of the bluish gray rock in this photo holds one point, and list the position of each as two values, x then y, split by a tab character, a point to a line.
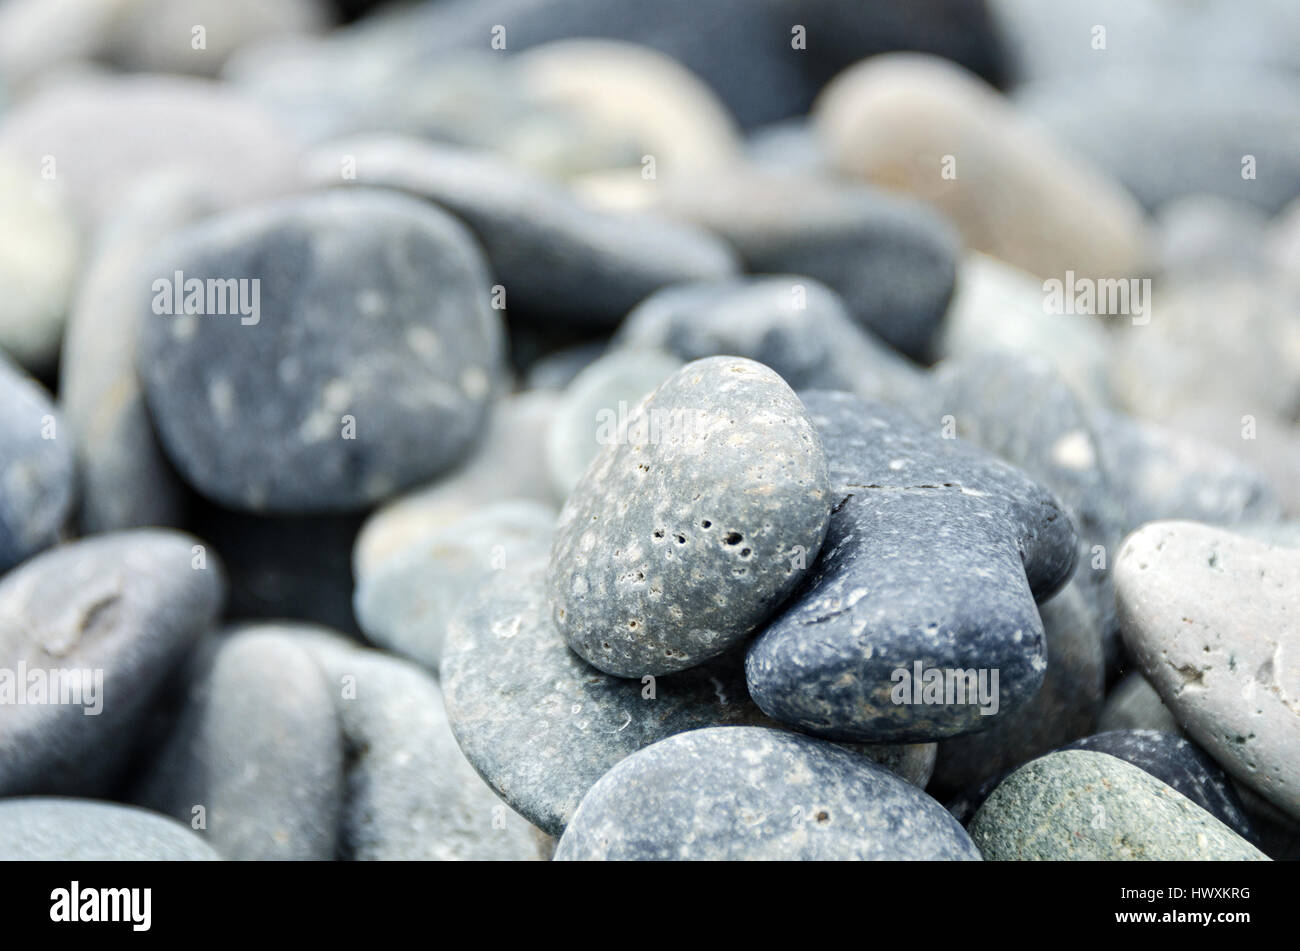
82	830
693	524
1180	764
404	602
558	259
932	563
556	370
39	486
747	793
796	325
542	726
892	260
256	753
1133	704
360	359
105	620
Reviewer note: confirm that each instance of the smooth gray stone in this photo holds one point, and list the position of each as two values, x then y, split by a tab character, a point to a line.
1133	704
1209	616
556	370
257	747
747	793
796	325
126	481
81	830
404	602
605	392
560	261
39	488
411	794
1187	133
1180	764
893	260
1065	707
1204	234
542	726
368	369
1158	472
690	528
935	555
1080	805
127	604
109	134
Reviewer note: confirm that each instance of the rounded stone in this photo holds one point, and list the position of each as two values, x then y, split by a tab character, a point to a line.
257	748
404	602
37	468
82	830
748	793
1083	805
1133	704
1209	616
599	400
359	361
693	524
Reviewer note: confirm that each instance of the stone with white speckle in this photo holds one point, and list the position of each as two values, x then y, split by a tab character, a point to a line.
693	524
748	793
361	362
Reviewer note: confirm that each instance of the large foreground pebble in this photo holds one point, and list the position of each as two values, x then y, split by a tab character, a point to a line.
542	726
37	468
1090	806
256	754
557	259
932	563
1211	619
693	524
112	615
747	793
360	360
82	830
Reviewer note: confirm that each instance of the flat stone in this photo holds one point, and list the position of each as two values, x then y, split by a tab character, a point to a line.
81	830
891	259
257	748
1080	805
39	249
1177	763
125	606
600	397
559	260
364	371
693	524
747	793
1209	617
924	126
38	489
541	725
404	603
411	794
934	557
796	325
508	463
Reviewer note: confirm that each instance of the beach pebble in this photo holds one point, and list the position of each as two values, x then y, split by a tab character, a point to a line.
747	793
795	325
595	407
360	361
1209	617
891	259
255	760
926	127
44	829
38	479
686	533
404	602
117	612
933	560
1133	704
1080	805
558	259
